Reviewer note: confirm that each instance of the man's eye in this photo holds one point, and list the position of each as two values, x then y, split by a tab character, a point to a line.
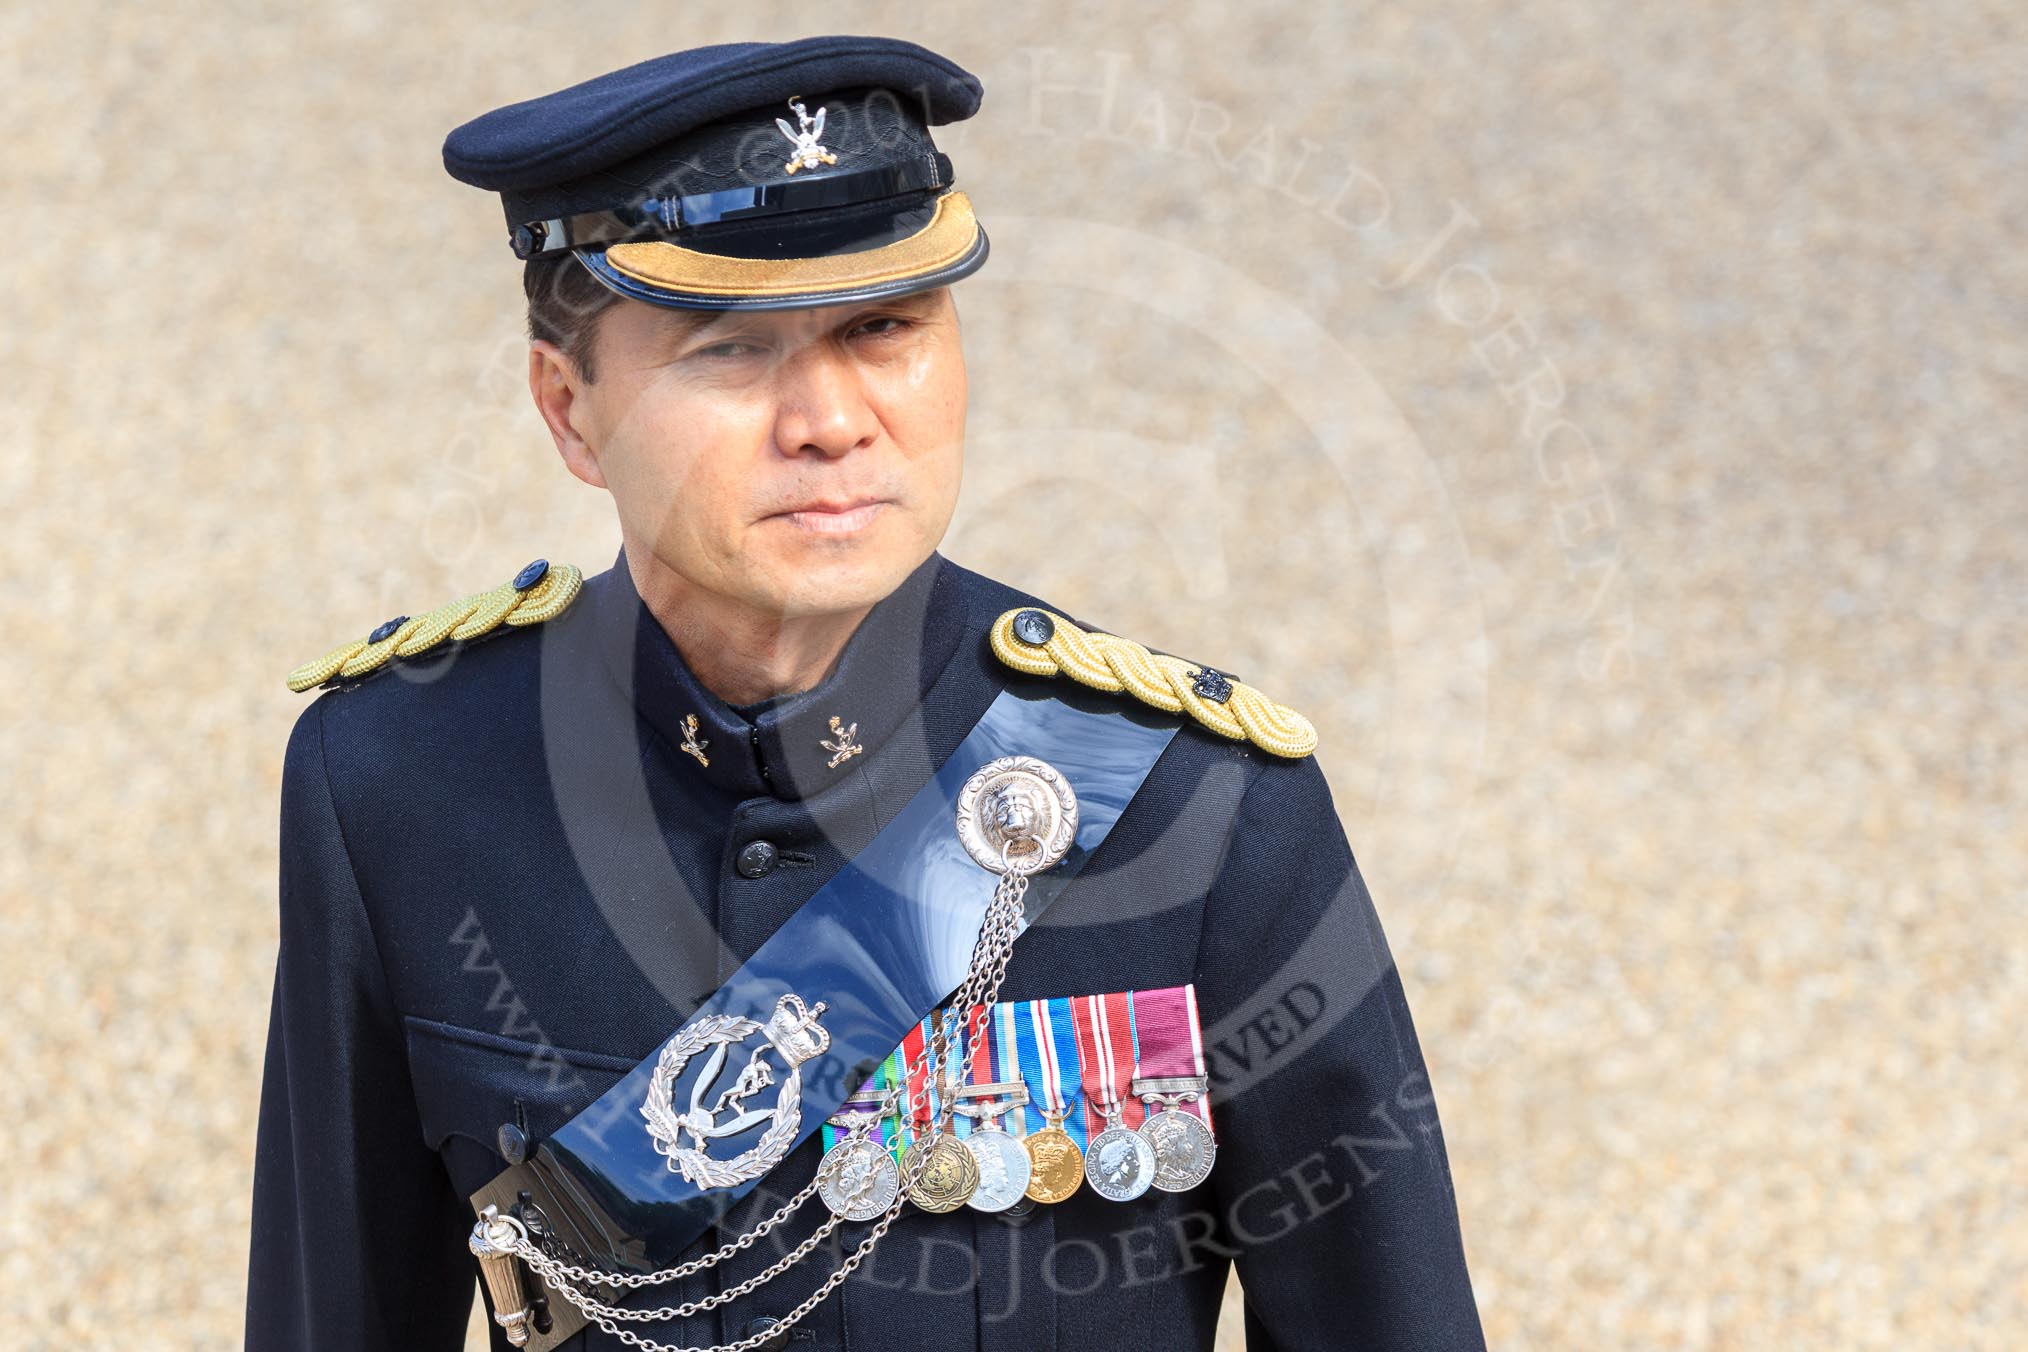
726	351
898	323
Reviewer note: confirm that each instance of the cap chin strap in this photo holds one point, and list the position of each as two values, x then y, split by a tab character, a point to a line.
673	217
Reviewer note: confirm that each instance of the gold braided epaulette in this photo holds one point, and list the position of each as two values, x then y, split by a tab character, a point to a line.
539	592
1042	643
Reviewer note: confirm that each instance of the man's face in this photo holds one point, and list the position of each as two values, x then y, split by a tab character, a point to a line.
796	461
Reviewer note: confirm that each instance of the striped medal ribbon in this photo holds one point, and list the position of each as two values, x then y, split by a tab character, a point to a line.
888	1131
1046	1047
1004	1167
857	1177
949	1175
1026	1114
966	1113
1170	1077
1120	1164
915	1113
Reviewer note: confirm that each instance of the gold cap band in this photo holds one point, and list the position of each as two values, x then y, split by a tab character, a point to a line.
947	238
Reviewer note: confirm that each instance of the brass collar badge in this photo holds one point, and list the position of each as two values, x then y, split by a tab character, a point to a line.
692	743
844	748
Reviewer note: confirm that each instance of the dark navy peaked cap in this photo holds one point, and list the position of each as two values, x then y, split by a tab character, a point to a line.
746	175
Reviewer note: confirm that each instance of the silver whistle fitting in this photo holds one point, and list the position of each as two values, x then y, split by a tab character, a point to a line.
492	1243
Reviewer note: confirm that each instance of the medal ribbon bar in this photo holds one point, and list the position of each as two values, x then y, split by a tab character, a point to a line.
977	1032
1048	1053
1172	1047
1095	1054
1007	1065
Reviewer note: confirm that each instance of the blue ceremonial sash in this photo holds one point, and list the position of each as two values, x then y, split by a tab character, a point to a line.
886	940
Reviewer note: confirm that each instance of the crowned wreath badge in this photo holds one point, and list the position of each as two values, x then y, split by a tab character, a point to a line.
792	1033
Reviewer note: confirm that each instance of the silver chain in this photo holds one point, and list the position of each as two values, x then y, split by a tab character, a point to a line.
991	953
601	1277
547	1269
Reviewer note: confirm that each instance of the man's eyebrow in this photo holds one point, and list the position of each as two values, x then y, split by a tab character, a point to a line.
679	325
917	300
913	303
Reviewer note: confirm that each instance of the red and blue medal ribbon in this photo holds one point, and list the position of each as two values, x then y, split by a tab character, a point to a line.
1071	1052
1048	1051
916	1108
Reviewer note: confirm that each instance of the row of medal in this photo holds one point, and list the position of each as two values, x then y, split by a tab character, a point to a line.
1104	1090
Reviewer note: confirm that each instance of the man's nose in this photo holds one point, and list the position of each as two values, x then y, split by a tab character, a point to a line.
824	409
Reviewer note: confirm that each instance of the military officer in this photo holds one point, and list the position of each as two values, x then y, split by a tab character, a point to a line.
530	835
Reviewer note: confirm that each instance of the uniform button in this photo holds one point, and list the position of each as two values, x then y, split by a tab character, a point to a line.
1034	628
762	1325
757	859
513	1144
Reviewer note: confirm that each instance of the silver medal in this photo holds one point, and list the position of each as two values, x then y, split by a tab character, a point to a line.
1004	1169
1120	1165
1183	1149
858	1179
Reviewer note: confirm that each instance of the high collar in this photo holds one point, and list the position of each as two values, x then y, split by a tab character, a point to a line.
801	743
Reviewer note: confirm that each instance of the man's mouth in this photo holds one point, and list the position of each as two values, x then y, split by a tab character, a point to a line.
836	517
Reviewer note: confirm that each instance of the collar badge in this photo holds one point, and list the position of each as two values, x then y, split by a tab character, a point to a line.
692	742
844	748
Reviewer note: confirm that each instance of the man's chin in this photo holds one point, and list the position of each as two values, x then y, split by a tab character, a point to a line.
838	576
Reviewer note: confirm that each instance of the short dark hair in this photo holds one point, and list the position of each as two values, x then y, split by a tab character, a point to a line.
564	305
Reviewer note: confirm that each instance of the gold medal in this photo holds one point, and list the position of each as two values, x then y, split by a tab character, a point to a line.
1059	1164
949	1174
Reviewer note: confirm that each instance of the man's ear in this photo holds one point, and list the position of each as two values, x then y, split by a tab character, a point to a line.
554	380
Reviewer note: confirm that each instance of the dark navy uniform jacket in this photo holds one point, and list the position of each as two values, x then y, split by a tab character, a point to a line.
504	882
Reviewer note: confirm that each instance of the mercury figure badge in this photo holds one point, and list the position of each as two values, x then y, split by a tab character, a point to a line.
1058	1163
1120	1165
1183	1149
949	1174
792	1033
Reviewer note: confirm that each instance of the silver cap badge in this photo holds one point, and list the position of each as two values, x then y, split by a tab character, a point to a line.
807	152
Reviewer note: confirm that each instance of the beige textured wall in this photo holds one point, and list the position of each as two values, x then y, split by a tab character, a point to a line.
1682	743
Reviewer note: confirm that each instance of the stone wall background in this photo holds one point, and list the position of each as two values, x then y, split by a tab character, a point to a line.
1681	741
